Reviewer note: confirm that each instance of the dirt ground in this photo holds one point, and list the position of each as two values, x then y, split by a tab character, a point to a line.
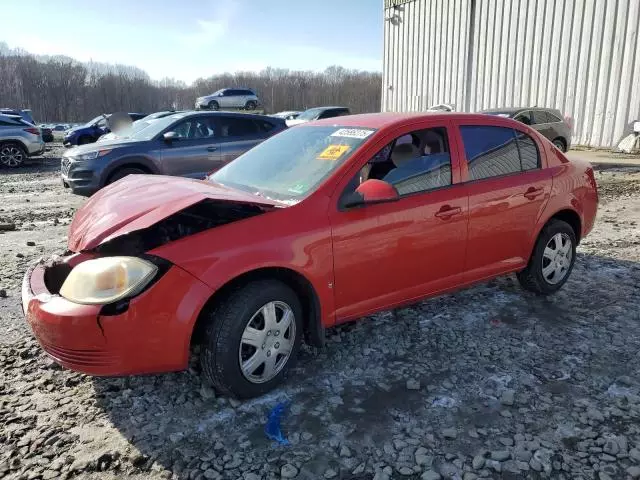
490	382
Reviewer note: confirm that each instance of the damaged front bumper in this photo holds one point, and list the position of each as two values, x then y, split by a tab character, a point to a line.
149	334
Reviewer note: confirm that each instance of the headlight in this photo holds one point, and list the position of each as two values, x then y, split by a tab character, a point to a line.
90	156
106	280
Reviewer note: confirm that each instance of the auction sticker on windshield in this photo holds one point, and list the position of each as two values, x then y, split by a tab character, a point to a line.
333	152
360	133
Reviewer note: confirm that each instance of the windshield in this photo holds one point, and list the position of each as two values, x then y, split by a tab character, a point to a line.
135	127
154	128
94	121
290	165
310	114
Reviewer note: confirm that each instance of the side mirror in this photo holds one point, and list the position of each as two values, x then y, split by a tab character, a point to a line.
170	137
370	192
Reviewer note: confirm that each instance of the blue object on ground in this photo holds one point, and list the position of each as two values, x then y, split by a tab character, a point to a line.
272	428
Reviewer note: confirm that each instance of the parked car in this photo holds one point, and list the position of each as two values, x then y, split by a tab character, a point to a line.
92	130
189	144
25	114
19	140
229	98
60	128
287	115
319	225
549	122
47	134
318	113
137	125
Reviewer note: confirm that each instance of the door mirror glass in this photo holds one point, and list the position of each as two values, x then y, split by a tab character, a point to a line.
170	137
370	192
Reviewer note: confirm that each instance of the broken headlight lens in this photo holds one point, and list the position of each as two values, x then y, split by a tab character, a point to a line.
106	280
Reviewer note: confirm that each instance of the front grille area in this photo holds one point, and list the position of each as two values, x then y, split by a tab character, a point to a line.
64	165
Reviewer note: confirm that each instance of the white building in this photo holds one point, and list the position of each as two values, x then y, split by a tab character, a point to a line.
580	56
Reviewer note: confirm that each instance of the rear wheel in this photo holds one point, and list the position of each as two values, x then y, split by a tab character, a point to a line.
12	154
123	172
552	260
251	105
560	144
252	338
213	105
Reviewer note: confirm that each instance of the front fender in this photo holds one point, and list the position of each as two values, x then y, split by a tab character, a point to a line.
141	160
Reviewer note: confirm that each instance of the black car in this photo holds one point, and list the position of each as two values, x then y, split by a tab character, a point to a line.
548	121
47	134
186	144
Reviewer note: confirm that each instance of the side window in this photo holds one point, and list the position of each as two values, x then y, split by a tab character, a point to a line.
328	114
540	117
415	162
237	127
102	123
553	118
195	128
524	117
529	156
264	126
490	151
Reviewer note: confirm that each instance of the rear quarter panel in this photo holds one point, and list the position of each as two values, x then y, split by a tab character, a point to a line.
573	188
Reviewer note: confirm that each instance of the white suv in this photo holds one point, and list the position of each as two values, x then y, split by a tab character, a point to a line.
18	140
229	98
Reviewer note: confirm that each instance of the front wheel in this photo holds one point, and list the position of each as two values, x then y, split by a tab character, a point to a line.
552	260
213	105
124	172
252	338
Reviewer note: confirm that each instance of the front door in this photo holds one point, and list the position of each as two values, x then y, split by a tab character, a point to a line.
393	253
195	151
508	190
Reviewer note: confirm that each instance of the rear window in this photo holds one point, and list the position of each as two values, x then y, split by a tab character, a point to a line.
496	151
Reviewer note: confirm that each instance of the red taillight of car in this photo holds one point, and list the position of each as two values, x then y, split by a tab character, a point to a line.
569	121
35	131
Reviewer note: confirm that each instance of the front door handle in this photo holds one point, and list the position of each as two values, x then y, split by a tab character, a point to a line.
533	192
212	149
447	212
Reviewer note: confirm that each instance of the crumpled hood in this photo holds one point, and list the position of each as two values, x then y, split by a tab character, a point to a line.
139	201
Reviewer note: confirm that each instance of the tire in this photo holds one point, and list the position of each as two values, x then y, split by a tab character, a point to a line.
540	276
12	154
123	172
213	105
560	144
84	140
223	348
251	105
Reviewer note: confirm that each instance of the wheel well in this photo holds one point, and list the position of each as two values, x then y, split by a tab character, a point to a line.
16	142
573	219
128	165
314	332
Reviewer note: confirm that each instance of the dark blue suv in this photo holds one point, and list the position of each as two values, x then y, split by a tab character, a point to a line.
92	130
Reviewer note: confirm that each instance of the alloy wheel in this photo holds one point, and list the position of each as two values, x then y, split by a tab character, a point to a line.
267	342
556	259
11	156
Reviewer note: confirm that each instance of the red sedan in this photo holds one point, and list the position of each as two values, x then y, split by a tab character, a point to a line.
321	224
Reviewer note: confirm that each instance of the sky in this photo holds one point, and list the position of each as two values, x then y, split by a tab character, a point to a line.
188	39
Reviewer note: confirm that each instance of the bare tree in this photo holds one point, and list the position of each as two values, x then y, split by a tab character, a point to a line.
63	90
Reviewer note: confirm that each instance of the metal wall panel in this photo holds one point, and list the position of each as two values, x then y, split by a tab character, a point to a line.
580	56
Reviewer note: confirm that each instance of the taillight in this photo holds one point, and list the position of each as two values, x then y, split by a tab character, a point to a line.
35	131
569	121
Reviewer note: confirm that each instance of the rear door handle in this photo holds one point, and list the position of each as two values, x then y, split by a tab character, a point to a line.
448	212
212	149
533	192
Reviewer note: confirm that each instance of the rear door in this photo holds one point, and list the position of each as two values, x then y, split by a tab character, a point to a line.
195	152
543	123
508	189
524	117
237	134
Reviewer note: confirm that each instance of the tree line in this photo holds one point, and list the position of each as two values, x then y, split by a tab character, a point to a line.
60	89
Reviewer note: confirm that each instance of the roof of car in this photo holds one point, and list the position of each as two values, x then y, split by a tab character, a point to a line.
380	120
515	109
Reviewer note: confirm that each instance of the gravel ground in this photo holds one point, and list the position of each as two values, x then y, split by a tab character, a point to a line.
489	382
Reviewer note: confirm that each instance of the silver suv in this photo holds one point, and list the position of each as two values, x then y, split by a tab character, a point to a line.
18	140
229	98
